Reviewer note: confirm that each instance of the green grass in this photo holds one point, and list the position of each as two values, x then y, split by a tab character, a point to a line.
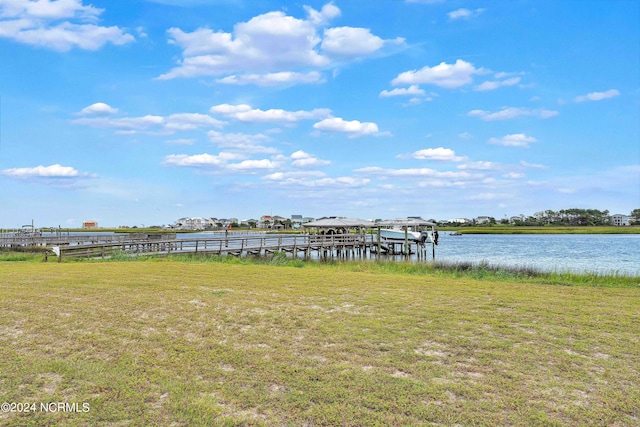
21	256
190	343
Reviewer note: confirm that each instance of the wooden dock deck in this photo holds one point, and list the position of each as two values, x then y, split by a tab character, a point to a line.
323	247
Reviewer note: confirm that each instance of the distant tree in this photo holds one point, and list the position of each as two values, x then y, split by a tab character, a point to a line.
634	217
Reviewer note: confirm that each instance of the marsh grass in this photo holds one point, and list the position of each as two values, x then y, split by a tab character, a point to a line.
200	342
29	256
460	269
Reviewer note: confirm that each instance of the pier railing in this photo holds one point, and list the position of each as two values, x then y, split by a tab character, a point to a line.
322	245
64	239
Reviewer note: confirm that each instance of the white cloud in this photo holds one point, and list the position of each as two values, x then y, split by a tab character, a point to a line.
353	42
221	163
445	75
302	159
533	165
49	24
99	108
480	165
53	171
281	78
353	128
492	85
514	175
252	166
440	153
512	113
322	17
463	13
269	44
198	160
245	113
189	121
514	140
598	96
412	90
293	176
241	142
228	109
152	124
412	173
316	180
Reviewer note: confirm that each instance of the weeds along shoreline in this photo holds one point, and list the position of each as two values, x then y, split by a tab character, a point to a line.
459	269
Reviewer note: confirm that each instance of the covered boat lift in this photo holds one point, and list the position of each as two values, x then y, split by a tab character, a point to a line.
415	223
334	224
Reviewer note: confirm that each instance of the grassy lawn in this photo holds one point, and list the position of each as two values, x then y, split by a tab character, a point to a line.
200	343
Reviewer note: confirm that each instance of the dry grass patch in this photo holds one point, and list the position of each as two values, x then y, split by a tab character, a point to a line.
187	344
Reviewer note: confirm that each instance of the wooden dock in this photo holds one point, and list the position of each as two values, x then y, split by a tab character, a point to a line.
21	240
322	247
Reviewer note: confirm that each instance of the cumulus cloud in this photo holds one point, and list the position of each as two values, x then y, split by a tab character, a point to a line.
512	113
315	180
198	160
353	42
302	159
412	173
56	175
449	76
463	13
245	113
440	153
152	124
479	165
221	163
282	78
412	90
514	140
353	128
598	96
241	142
59	25
99	108
53	171
258	50
495	84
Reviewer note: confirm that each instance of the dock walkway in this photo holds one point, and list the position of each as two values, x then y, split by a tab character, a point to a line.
322	247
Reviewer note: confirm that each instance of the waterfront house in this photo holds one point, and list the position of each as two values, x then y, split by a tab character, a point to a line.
620	220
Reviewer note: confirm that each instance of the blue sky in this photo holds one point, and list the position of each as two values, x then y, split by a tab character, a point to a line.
145	111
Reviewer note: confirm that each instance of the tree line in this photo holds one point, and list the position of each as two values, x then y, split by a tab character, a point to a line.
576	217
572	217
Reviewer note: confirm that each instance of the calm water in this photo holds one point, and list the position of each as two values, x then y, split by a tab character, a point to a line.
602	253
566	252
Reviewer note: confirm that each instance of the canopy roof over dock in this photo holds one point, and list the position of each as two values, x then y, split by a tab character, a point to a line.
340	223
406	222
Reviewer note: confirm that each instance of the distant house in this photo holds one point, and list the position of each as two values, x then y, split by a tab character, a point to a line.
266	221
249	222
90	224
193	223
483	220
620	220
460	220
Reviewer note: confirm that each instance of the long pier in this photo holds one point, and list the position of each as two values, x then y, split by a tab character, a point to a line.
28	240
323	247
